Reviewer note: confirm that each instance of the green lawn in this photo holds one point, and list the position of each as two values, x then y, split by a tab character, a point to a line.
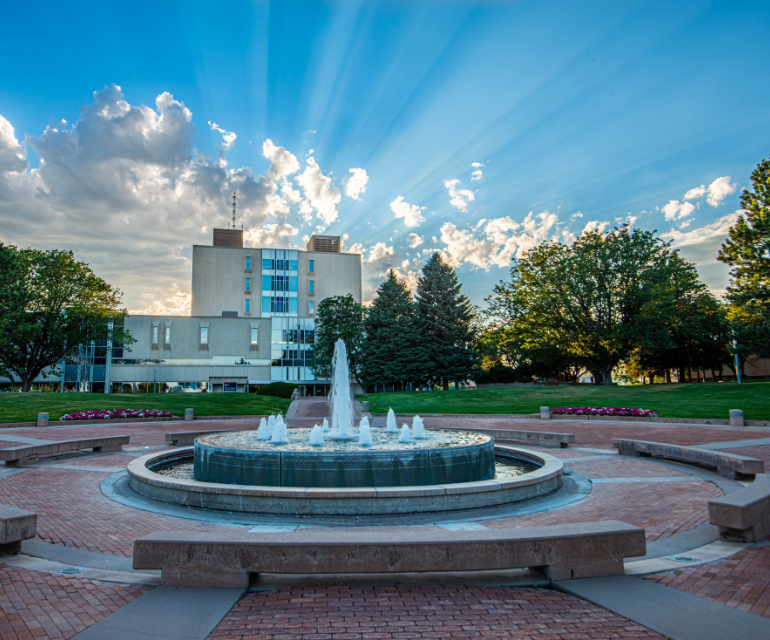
24	407
704	400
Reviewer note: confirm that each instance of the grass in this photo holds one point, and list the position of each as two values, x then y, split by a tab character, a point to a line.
704	400
24	407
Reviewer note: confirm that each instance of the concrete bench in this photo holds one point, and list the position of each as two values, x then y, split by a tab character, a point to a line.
728	465
542	438
743	515
186	438
15	525
30	453
227	559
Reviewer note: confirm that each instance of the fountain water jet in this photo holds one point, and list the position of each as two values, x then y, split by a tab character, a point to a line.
263	433
406	435
325	426
316	436
340	397
418	429
390	425
365	434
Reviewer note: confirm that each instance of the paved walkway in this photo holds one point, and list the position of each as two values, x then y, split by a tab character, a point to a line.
667	499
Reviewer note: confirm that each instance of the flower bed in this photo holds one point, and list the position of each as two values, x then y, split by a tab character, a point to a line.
110	414
605	411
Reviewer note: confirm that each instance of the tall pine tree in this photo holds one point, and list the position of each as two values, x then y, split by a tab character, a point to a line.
393	350
445	317
747	251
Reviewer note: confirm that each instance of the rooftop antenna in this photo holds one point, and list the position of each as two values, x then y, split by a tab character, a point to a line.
234	192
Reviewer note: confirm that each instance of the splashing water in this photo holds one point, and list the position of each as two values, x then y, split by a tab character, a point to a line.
270	425
326	426
340	398
263	433
418	429
365	434
316	436
406	435
390	425
280	433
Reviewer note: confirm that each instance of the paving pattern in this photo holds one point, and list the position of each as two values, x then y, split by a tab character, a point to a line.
44	605
369	613
741	581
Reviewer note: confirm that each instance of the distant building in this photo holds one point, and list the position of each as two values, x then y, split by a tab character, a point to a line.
252	323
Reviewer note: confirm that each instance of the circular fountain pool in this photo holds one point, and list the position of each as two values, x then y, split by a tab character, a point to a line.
440	457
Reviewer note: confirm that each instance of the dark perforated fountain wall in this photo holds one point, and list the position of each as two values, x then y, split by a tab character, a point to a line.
358	468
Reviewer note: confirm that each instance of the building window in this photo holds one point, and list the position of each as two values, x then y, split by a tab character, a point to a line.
168	335
248	306
311	307
204	335
292	305
248	284
292	283
311	268
155	335
311	286
265	304
248	262
254	336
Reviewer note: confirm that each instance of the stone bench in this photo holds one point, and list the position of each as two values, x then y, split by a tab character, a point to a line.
542	438
743	515
728	465
227	559
15	525
186	438
30	453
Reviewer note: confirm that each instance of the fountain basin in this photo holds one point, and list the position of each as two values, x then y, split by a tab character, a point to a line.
448	456
361	501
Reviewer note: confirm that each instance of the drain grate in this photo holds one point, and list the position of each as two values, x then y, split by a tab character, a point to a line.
69	571
683	559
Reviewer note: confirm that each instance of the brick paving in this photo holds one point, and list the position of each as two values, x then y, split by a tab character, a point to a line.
117	461
43	605
313	408
321	613
72	511
623	468
599	433
662	509
741	581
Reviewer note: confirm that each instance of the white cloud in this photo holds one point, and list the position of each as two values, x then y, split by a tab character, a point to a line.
413	240
695	192
13	157
409	212
356	184
381	258
319	191
477	174
717	229
228	140
498	242
675	210
458	197
594	225
272	235
719	190
575	216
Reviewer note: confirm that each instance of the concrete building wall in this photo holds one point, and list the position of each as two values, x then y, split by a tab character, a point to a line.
219	278
335	274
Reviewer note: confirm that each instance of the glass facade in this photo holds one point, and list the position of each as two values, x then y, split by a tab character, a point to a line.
279	282
291	349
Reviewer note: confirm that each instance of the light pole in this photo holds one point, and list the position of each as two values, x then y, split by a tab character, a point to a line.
737	361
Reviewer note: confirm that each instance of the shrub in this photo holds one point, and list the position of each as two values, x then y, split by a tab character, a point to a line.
111	414
277	390
605	411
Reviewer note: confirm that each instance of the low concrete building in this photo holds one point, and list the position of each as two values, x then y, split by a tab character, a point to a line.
252	323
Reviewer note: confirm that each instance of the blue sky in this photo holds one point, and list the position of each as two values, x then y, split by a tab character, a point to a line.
575	115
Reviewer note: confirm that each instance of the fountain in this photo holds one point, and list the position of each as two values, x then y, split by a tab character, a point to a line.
340	469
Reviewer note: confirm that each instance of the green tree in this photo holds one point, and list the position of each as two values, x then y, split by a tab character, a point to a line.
446	318
394	350
50	303
338	317
747	251
589	299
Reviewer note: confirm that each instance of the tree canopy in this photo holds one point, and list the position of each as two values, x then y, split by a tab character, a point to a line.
445	318
395	350
747	251
49	303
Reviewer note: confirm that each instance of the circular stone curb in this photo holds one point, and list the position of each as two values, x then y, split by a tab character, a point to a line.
364	501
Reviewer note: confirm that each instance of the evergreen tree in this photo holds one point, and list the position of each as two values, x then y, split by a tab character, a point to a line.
445	317
393	350
747	251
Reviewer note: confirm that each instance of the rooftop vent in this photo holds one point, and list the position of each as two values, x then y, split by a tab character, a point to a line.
324	244
228	238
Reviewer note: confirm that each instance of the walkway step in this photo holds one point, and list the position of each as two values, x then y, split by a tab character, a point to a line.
672	613
166	613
